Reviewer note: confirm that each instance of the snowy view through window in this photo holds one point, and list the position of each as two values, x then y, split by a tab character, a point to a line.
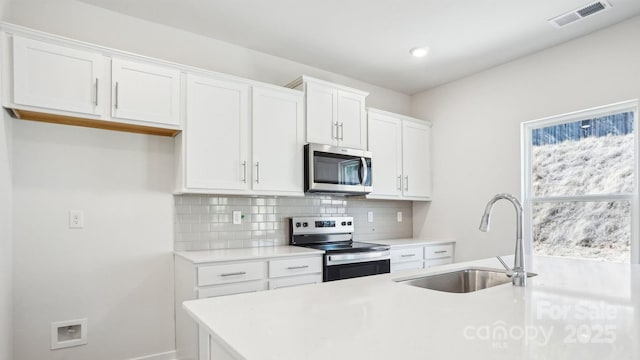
589	157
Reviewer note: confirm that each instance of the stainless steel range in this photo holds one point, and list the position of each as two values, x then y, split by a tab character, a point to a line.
344	258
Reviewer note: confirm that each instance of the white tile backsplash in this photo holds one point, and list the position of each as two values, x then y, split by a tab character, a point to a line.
204	222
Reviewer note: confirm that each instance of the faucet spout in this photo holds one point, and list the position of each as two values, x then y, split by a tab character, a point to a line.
519	277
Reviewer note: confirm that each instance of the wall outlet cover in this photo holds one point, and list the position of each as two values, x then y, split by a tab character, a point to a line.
370	216
237	217
76	219
399	216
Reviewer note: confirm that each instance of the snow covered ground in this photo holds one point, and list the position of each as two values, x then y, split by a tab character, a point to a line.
594	165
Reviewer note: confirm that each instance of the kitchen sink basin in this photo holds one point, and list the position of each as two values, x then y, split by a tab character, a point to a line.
461	281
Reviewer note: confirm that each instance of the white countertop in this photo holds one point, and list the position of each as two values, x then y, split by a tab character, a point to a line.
573	309
412	242
207	256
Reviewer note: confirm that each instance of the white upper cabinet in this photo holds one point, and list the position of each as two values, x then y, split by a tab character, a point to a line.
321	112
240	139
215	137
385	142
335	114
401	148
145	92
56	77
278	139
416	160
352	122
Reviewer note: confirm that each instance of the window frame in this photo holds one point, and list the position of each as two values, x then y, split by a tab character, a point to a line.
526	129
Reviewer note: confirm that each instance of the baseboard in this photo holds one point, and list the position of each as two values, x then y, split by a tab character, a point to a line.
169	355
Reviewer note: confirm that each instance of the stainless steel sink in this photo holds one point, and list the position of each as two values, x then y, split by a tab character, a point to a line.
461	281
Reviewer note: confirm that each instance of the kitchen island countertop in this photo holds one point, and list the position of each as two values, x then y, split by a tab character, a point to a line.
574	309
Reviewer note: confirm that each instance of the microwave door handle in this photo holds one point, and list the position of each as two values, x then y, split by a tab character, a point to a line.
365	171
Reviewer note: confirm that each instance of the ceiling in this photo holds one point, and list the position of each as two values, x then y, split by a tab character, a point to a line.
370	40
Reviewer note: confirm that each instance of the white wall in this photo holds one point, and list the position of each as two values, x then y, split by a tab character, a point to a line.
476	128
6	233
93	24
6	237
117	271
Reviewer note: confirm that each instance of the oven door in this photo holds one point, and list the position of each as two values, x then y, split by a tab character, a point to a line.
336	169
347	266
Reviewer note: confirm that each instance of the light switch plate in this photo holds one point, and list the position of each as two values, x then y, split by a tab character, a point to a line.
399	216
237	217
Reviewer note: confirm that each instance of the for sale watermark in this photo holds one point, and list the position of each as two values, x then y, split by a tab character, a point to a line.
577	323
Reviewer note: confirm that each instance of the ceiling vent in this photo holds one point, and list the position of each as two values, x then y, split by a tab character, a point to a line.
580	13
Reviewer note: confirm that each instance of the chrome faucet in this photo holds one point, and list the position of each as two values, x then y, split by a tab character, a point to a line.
518	274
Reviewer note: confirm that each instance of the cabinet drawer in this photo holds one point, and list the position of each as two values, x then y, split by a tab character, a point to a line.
436	262
230	273
294	281
406	254
411	265
297	266
230	289
438	251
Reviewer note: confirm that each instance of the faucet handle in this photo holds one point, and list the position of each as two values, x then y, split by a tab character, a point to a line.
510	272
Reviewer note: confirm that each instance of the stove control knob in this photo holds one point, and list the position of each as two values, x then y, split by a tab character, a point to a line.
297	224
344	223
304	224
349	223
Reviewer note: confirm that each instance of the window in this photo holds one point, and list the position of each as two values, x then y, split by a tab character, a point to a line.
580	184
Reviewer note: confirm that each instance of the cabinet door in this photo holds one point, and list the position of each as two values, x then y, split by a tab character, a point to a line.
145	92
385	142
216	134
322	115
277	128
352	124
416	159
56	77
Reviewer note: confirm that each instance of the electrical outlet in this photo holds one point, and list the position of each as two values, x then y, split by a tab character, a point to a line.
76	219
237	217
370	216
399	216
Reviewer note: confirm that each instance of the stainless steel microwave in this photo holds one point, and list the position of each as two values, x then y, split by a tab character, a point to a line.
334	169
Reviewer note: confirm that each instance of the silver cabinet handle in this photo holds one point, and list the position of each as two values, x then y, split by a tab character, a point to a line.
257	172
116	99
97	80
399	182
406	186
235	273
407	255
244	172
335	127
440	252
297	267
341	131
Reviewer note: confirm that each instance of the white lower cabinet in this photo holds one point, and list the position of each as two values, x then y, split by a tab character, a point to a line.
436	255
204	280
421	256
407	258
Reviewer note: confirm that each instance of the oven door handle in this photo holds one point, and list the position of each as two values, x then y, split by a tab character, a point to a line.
377	255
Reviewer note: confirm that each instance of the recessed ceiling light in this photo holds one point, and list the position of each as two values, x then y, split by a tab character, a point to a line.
419	51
